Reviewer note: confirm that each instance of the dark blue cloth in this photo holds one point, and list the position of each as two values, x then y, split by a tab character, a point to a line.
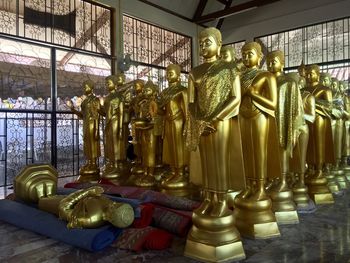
30	218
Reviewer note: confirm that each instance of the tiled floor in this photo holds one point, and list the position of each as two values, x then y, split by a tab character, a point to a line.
323	236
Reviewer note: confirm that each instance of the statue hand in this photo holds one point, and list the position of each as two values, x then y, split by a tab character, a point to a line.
209	129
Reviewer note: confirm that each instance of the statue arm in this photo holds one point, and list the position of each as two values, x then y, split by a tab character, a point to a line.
231	107
190	89
121	119
185	104
77	112
67	204
268	82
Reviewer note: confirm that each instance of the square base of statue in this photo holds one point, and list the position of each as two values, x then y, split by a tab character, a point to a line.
323	198
287	217
333	187
261	231
342	182
210	253
88	178
347	175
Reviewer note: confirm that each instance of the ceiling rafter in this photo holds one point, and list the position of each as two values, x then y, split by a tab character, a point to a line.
200	8
223	1
87	35
233	10
221	20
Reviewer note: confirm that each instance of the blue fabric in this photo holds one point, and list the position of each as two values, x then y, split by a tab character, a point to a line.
24	216
135	203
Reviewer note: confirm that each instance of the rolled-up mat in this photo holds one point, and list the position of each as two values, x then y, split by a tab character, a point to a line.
29	218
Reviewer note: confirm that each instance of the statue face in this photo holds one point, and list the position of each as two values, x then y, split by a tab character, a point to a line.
274	65
87	89
120	80
138	87
148	91
226	55
326	81
312	76
110	85
250	58
208	47
302	83
171	75
334	86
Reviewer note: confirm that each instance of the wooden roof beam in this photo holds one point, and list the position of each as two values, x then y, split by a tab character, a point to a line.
233	9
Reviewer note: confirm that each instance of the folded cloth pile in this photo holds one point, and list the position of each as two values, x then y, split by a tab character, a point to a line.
33	219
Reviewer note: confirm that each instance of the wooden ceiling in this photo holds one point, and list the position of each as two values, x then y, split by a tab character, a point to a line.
206	12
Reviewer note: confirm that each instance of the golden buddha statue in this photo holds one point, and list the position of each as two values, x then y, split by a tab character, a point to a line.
228	54
90	113
85	208
253	214
320	148
145	127
346	135
326	80
113	108
290	119
338	131
135	115
298	163
173	106
214	99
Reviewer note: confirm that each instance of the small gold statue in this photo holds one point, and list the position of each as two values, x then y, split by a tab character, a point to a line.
228	54
85	208
320	148
338	130
113	110
253	214
90	109
173	106
136	134
144	126
289	116
214	98
346	146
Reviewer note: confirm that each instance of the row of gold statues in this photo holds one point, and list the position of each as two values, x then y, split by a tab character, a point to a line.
269	143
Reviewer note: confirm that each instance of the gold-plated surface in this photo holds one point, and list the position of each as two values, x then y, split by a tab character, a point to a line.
113	110
214	98
35	181
173	107
90	109
320	147
85	208
290	121
260	143
287	217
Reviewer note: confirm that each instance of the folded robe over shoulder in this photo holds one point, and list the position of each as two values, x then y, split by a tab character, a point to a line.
30	218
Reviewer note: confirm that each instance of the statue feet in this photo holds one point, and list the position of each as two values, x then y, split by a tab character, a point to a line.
146	181
204	208
176	181
259	195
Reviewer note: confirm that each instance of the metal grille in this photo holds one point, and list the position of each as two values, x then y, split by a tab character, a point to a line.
155	46
323	43
77	24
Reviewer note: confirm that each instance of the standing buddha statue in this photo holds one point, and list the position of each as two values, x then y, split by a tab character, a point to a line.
214	99
90	109
113	109
320	148
253	214
289	116
173	106
346	135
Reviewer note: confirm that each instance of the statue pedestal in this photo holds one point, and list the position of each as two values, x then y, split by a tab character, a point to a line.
214	239
284	207
301	196
88	175
255	219
341	179
319	191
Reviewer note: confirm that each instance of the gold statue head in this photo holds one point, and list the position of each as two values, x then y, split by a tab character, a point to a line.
312	74
252	54
343	86
228	54
210	42
111	82
139	85
302	69
119	215
326	79
88	86
150	88
275	61
120	79
334	85
173	73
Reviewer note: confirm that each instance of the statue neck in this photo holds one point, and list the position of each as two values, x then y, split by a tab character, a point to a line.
174	84
211	59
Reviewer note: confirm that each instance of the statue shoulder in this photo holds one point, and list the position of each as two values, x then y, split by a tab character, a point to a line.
263	74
